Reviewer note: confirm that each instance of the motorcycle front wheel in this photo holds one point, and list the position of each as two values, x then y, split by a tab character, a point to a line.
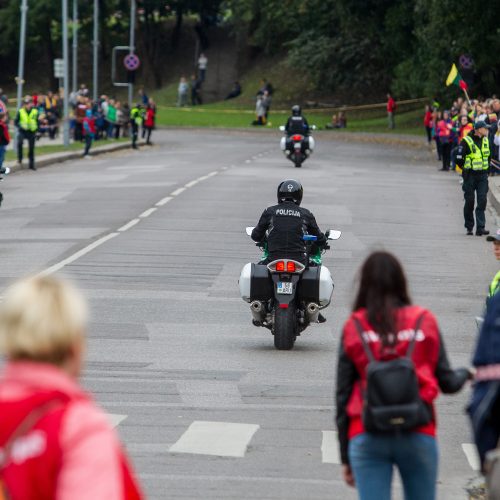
285	327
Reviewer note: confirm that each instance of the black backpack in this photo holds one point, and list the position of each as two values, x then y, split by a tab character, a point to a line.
391	401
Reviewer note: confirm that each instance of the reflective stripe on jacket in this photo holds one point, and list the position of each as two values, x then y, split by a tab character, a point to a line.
495	285
477	159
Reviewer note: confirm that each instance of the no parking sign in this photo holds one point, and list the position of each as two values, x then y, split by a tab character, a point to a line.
131	62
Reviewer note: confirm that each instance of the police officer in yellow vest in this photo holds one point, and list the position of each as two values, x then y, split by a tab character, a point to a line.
27	124
136	118
495	283
473	156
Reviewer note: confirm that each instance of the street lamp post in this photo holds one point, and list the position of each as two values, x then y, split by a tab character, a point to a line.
133	8
20	68
96	49
75	45
66	71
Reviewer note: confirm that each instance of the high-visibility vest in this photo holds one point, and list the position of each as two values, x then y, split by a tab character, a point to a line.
495	285
136	116
477	159
28	121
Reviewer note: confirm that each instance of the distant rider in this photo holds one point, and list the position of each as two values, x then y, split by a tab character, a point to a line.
297	124
283	225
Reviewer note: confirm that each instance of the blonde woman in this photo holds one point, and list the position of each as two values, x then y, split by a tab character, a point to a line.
55	443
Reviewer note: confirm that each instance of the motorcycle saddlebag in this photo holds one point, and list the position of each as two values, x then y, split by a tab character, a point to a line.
316	285
261	286
308	288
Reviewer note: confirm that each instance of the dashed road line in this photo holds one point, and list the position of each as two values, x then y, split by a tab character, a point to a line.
148	212
164	201
115	419
128	225
92	246
77	255
177	192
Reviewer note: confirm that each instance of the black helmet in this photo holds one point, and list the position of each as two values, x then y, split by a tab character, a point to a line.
296	111
290	190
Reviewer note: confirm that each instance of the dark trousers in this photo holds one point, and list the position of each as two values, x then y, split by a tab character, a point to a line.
88	144
429	134
30	137
475	182
135	133
146	132
446	154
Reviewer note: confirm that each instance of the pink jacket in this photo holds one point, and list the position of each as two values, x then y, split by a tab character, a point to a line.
91	451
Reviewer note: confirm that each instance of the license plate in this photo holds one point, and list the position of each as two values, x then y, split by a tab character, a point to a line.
284	288
297	145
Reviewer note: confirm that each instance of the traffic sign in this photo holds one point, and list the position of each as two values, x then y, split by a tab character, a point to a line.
466	61
59	68
131	62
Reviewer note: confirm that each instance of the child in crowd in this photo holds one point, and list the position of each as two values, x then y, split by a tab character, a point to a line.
88	131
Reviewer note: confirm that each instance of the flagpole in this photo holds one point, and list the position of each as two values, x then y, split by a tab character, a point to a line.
467	97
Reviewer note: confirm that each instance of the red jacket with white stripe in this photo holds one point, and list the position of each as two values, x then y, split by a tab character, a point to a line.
429	356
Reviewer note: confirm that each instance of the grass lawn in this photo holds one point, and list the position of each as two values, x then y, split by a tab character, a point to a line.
214	115
74	146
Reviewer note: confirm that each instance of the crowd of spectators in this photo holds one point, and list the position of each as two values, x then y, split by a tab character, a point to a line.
447	127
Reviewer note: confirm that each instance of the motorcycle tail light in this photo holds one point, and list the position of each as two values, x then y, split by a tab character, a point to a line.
297	137
280	266
290	267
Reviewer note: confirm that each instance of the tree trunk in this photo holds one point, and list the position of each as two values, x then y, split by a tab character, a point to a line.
49	56
176	33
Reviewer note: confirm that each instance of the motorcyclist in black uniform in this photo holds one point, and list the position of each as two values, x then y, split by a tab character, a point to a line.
297	124
283	226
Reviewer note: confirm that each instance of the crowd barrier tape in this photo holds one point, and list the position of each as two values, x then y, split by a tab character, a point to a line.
323	109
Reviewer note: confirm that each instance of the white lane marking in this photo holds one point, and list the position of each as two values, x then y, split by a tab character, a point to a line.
125	227
177	192
128	225
222	439
192	183
148	212
77	255
163	201
470	451
330	448
115	419
248	161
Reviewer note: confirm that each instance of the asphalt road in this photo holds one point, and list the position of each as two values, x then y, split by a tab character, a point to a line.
205	405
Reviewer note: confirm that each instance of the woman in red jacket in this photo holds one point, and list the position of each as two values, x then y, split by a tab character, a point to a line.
428	123
55	442
149	121
388	319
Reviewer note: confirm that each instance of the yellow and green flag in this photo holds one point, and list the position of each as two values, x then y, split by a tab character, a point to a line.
456	79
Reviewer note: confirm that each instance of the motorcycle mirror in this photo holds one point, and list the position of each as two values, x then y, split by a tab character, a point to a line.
249	230
282	128
332	234
313	127
7	170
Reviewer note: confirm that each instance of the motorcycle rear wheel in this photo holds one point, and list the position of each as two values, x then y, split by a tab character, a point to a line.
285	328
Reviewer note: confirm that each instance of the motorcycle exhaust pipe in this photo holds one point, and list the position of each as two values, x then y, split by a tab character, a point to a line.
257	310
312	312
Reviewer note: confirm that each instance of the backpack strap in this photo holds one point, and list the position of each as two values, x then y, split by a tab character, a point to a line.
366	347
411	347
27	424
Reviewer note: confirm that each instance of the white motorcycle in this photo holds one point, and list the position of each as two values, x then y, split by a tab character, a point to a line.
297	147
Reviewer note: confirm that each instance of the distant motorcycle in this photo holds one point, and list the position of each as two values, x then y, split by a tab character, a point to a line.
286	296
3	171
298	147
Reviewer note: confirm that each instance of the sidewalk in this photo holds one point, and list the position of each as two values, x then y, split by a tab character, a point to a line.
43	160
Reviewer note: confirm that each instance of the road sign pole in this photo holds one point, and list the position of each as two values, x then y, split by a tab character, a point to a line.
96	49
66	72
132	47
20	68
75	45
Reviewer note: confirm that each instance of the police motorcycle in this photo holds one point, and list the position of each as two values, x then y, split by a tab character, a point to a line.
299	147
286	296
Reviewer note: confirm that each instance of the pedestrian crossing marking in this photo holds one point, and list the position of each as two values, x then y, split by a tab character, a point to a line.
470	451
116	419
221	439
330	447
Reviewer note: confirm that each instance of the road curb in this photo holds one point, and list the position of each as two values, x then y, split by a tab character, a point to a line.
45	160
